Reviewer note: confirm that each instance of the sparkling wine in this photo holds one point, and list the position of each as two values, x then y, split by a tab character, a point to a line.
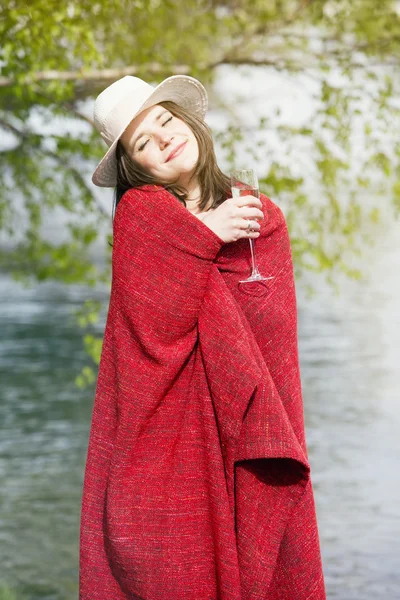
245	191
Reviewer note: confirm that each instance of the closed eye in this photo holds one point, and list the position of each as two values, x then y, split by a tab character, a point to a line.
144	143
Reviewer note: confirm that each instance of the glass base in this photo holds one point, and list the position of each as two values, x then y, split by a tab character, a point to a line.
256	277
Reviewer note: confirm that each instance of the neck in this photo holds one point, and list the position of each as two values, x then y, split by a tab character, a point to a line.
193	198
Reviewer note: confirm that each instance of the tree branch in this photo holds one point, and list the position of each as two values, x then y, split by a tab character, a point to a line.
68	106
105	75
13	129
95	75
153	68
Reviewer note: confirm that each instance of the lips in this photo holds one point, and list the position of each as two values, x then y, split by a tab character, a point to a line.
176	151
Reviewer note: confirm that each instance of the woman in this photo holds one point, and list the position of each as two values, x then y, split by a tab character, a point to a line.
197	482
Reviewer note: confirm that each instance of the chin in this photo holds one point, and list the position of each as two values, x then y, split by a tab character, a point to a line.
188	163
188	168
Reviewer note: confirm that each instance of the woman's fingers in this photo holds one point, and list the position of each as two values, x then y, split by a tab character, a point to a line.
244	224
241	201
251	213
247	207
249	233
231	221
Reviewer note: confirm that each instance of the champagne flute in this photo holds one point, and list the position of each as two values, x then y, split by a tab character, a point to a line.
244	182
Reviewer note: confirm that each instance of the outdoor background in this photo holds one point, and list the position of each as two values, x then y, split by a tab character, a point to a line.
307	93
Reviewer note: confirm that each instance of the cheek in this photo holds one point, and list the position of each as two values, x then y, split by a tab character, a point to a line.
150	163
195	153
193	150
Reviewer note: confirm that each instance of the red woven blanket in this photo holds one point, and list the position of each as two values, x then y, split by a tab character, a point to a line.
197	482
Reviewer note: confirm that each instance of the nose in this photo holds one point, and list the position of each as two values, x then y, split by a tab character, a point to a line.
165	138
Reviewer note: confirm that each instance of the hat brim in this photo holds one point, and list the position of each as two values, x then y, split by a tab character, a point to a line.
182	89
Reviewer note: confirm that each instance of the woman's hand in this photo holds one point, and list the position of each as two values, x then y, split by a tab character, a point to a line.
230	219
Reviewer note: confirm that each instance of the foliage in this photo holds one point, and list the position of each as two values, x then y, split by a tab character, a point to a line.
7	593
54	56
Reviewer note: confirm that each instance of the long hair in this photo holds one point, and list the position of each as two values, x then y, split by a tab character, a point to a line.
214	184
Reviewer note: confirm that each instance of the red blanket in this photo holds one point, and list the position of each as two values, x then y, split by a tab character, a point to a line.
197	482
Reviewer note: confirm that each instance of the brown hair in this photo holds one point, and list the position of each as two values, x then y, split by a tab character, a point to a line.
214	184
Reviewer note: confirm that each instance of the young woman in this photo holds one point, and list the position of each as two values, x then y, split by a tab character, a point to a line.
197	482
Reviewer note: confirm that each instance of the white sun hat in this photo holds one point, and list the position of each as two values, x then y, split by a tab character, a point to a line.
123	100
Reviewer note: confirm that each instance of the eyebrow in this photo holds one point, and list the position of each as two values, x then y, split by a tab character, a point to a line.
142	134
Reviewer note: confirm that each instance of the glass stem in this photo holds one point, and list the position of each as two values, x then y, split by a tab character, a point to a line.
253	258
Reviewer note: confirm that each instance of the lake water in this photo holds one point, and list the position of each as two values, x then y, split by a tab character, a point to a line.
349	363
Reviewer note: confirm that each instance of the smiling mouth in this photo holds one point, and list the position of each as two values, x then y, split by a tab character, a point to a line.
177	151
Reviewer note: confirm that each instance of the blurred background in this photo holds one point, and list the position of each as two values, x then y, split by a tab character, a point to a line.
307	93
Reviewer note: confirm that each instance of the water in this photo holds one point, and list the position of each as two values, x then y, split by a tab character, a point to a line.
45	421
349	350
349	362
